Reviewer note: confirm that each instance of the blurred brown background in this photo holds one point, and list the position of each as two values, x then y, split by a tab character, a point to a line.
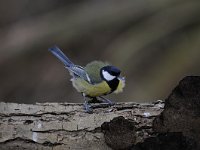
155	43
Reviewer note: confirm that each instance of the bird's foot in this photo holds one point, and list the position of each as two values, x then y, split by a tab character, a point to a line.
105	100
87	107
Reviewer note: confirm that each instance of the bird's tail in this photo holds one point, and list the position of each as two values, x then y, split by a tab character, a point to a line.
61	56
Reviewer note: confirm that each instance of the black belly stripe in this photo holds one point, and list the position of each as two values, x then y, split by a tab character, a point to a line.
113	84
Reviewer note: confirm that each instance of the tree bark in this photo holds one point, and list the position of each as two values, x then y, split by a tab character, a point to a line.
66	126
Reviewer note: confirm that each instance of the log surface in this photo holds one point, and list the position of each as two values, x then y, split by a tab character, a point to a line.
66	126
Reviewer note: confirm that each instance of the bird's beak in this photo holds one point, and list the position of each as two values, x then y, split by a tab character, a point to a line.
121	78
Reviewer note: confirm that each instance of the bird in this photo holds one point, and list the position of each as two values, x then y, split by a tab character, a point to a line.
93	81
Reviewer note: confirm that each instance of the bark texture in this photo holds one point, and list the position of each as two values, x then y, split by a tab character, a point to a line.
133	126
58	126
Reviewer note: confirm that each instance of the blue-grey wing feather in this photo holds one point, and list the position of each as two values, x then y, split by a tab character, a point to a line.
77	71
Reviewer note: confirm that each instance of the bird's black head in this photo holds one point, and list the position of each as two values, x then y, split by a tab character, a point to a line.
108	73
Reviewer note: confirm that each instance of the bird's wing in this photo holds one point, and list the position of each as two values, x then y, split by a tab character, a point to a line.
76	71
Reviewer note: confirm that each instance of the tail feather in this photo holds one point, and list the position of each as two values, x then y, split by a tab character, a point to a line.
73	69
61	56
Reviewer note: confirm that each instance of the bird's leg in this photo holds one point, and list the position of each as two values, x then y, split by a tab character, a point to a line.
87	106
105	100
94	100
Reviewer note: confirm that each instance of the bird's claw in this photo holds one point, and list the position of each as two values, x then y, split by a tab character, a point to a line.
87	107
107	101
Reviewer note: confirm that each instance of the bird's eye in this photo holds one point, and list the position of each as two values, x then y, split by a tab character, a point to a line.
114	71
110	72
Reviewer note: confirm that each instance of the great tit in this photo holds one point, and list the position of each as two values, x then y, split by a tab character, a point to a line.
94	80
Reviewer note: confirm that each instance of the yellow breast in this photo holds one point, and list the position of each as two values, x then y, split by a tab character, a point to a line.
90	89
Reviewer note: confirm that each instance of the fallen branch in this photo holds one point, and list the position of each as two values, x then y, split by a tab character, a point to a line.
132	126
67	126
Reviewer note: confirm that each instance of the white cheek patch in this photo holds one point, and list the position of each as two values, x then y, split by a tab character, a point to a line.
108	76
